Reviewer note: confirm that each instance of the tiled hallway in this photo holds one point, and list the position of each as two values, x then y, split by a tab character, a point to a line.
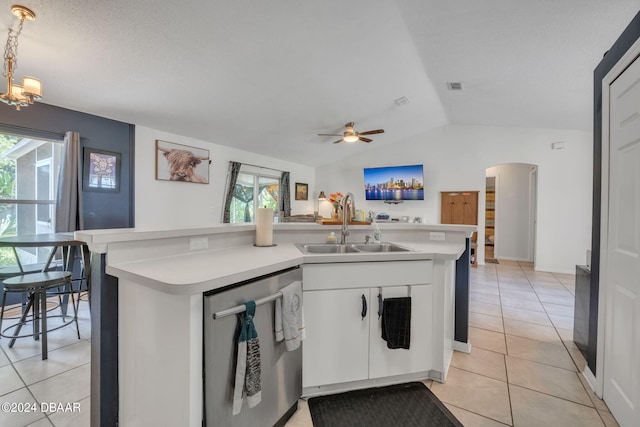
523	369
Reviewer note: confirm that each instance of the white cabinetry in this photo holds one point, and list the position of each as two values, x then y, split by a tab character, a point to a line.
383	361
344	346
337	345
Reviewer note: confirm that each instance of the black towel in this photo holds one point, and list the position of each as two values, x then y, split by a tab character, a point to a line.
396	322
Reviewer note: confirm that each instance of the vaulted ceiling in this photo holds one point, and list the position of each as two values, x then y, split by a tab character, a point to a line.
267	76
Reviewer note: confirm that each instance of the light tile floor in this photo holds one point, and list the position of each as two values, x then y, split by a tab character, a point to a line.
52	392
523	369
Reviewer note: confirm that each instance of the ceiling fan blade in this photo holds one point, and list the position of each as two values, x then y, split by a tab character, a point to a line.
329	134
371	132
365	139
335	142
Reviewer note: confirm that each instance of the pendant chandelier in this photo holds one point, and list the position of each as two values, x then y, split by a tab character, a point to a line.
31	89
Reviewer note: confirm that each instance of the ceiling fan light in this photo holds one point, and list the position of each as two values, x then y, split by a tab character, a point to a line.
31	87
350	138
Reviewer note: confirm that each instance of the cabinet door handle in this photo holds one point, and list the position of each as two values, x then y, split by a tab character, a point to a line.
364	307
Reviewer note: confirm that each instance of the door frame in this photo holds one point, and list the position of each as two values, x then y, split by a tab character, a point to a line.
496	204
597	380
533	209
533	212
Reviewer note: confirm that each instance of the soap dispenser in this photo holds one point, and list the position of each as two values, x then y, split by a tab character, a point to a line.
331	238
377	233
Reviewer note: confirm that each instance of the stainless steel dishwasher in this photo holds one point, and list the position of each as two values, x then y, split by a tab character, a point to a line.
281	370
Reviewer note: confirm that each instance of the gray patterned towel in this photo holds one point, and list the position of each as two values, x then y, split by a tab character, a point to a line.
248	370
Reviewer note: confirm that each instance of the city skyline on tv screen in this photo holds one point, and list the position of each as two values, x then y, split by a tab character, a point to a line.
394	183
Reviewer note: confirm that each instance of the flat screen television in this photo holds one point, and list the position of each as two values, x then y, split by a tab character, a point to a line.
394	183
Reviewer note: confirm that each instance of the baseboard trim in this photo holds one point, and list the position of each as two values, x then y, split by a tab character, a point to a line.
591	379
555	270
464	347
313	391
506	258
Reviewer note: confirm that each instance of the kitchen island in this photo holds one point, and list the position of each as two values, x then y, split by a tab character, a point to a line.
151	286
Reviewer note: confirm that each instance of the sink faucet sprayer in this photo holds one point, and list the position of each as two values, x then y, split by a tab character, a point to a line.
345	220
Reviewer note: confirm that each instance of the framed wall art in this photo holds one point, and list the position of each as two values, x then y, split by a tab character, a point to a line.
302	191
176	162
101	170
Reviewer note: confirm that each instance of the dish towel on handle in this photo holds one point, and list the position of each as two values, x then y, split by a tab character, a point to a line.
396	322
248	371
289	318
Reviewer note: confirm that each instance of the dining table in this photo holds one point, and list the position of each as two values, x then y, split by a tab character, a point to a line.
54	241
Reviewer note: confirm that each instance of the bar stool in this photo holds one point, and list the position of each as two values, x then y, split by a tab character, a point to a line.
36	285
17	270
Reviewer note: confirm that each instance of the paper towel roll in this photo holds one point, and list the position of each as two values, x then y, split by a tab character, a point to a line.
264	227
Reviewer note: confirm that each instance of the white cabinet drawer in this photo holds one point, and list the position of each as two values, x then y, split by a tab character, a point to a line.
366	274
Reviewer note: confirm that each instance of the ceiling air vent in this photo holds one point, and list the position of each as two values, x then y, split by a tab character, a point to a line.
455	86
401	101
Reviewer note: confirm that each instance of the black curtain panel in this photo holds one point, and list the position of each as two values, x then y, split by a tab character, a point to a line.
285	204
232	178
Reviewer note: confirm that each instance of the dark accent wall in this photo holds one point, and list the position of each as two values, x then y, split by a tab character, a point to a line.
105	386
461	326
611	58
100	209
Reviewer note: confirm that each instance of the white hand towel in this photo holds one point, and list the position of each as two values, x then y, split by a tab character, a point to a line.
289	321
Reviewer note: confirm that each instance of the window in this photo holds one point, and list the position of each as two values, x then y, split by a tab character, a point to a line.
28	182
253	190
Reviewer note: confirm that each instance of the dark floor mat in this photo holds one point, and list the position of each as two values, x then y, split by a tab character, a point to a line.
406	405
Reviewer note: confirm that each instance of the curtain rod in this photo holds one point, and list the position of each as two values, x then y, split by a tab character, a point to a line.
24	132
261	167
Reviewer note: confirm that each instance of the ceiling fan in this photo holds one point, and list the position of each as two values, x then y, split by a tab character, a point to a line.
351	135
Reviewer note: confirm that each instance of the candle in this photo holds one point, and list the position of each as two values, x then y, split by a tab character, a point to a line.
264	227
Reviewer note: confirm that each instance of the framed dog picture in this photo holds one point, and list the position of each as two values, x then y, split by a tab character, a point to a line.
302	191
175	162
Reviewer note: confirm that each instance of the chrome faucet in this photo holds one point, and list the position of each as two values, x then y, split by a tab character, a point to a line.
345	220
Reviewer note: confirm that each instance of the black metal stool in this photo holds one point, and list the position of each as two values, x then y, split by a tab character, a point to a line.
17	270
36	285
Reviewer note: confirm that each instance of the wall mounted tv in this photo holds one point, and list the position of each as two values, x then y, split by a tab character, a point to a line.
394	183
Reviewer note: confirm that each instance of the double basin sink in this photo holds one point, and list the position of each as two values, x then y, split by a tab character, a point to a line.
350	248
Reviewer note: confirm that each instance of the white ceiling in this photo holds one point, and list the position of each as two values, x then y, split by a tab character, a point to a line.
267	76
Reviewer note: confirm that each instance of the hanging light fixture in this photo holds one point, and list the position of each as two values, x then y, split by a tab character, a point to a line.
31	89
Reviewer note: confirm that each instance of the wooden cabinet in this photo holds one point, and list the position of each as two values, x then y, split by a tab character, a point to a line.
459	207
342	345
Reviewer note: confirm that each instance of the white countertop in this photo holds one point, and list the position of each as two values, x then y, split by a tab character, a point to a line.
201	271
98	240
